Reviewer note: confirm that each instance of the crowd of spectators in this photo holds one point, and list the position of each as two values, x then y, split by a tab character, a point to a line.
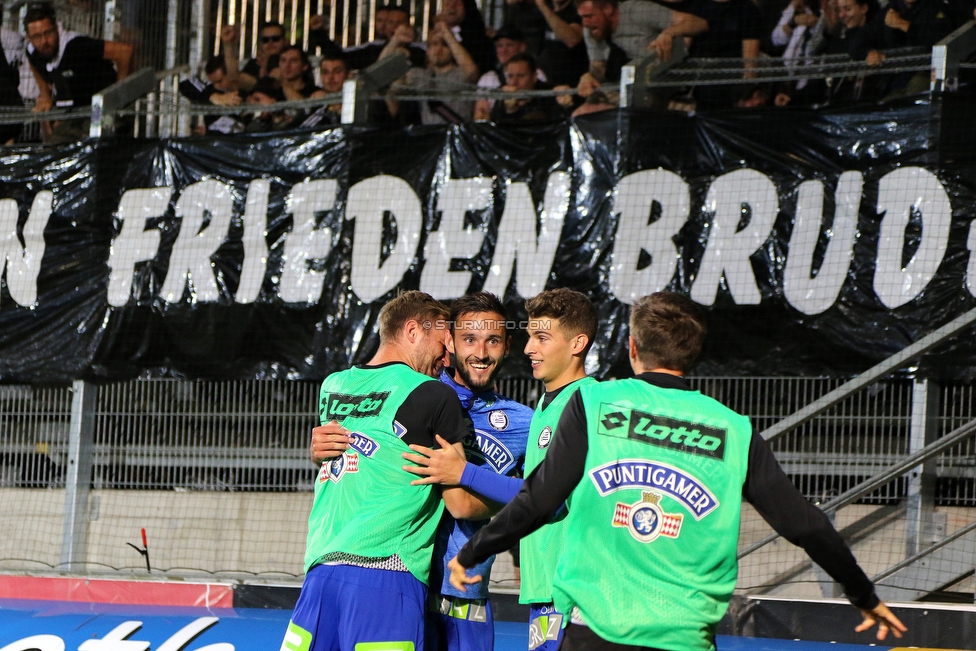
579	47
575	47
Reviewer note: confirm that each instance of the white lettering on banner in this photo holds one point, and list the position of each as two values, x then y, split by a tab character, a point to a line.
36	643
521	237
185	635
190	263
634	198
901	193
453	240
728	249
813	293
115	640
971	266
371	276
23	263
306	243
134	243
255	224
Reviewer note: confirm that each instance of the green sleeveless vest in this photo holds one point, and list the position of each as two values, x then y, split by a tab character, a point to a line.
364	504
653	526
540	550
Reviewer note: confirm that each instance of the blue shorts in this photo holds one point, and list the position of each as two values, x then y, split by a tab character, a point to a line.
348	608
456	624
545	627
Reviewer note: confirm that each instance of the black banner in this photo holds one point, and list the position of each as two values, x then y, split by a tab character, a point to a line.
821	243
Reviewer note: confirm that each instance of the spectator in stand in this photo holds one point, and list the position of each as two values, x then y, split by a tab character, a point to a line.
526	17
218	91
293	67
449	67
69	69
521	75
509	41
851	29
600	20
916	23
464	19
273	41
801	32
334	72
563	57
391	19
641	21
721	29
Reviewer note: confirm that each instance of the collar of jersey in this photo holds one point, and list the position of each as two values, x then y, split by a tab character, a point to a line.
464	394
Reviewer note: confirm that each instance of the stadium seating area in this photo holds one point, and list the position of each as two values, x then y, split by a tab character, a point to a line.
507	62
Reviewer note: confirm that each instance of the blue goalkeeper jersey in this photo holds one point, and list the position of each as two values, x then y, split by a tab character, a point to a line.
501	428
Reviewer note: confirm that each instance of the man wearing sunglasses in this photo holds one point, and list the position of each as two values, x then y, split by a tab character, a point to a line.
272	43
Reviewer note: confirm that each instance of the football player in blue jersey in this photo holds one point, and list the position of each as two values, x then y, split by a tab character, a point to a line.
478	345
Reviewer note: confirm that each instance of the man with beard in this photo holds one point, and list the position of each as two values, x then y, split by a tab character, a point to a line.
478	344
70	69
562	326
371	532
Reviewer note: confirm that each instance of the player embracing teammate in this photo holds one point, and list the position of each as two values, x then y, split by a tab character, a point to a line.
627	481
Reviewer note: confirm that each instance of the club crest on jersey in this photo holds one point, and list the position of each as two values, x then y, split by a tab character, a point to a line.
498	419
645	520
363	444
545	437
334	469
681	486
495	453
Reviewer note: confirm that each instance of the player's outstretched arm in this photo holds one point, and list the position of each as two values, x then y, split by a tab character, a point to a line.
459	575
880	615
328	442
443	466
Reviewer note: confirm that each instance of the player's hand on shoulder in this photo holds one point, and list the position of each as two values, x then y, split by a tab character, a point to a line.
442	466
884	618
328	441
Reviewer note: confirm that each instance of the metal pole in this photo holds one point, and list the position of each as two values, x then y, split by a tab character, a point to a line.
872	375
81	438
920	528
172	10
108	31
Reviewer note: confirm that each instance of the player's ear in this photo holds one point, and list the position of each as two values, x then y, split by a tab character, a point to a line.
580	342
449	340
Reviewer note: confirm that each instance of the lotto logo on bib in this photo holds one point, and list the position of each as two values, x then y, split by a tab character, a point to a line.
334	469
645	520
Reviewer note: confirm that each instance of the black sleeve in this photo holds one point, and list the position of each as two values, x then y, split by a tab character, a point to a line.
786	510
543	493
83	47
751	22
432	408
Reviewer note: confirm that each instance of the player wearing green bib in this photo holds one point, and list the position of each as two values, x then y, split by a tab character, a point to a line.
654	474
371	533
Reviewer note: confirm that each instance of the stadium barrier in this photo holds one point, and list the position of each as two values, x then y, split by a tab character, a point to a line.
217	475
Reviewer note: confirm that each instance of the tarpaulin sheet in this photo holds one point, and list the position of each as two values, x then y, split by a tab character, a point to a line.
819	242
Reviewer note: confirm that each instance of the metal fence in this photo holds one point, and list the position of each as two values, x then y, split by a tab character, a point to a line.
218	474
253	435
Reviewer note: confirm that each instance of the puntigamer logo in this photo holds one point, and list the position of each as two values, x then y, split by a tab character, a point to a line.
341	405
684	436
